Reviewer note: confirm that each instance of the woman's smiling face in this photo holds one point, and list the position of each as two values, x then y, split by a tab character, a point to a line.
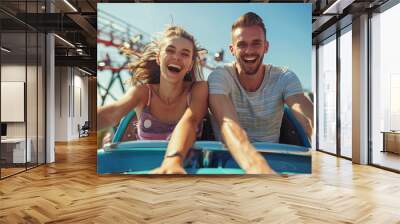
175	58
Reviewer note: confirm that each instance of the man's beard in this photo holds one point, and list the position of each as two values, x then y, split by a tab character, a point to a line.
250	69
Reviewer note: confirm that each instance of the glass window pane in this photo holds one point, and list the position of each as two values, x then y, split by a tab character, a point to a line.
386	88
31	84
327	96
13	84
31	96
346	94
22	64
41	98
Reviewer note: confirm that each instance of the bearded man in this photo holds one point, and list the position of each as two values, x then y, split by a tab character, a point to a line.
247	97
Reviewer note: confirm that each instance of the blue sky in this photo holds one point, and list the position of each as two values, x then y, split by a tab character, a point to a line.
288	27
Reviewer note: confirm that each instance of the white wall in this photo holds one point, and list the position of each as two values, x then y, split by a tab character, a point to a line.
80	110
33	126
61	103
71	93
12	73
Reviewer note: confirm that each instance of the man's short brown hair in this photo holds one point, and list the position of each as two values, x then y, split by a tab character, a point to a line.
249	19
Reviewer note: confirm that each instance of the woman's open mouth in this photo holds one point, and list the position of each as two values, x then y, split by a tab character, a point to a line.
174	68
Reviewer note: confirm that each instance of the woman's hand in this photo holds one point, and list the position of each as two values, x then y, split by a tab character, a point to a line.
107	138
170	166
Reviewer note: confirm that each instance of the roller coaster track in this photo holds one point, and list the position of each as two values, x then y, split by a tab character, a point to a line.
116	35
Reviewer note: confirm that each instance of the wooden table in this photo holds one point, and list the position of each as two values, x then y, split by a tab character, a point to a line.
13	150
391	141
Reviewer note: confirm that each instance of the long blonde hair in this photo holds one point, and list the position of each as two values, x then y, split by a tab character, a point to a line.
146	69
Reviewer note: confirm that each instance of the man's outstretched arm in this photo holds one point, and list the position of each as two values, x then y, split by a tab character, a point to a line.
235	136
302	109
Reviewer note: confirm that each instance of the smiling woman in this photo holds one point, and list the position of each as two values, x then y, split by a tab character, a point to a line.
167	94
175	57
175	50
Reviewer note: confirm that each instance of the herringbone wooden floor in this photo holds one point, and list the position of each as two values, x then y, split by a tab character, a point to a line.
70	191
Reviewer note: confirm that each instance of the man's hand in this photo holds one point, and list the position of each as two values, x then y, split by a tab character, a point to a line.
169	166
262	169
258	165
302	109
235	136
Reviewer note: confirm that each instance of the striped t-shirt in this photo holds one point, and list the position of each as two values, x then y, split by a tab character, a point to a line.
260	112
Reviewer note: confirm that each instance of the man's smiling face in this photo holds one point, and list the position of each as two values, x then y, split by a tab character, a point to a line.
249	46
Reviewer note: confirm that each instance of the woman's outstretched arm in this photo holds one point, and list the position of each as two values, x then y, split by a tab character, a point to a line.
110	115
184	134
